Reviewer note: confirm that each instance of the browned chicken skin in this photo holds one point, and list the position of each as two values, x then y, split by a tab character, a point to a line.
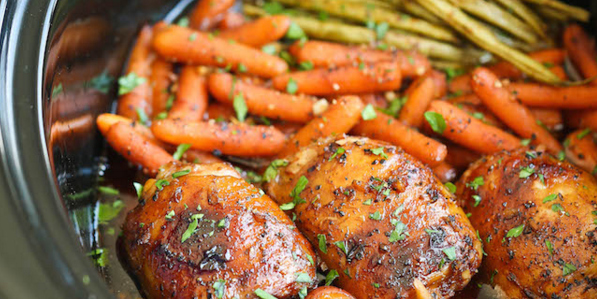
382	217
536	217
242	241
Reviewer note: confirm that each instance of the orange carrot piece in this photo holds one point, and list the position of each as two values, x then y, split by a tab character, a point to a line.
581	50
550	118
420	94
581	150
488	87
472	105
383	76
460	157
559	71
441	85
547	96
193	47
106	120
445	172
388	129
259	32
338	119
140	65
504	69
160	80
329	292
191	97
471	132
219	111
229	139
582	119
137	149
207	13
260	100
378	100
327	54
231	20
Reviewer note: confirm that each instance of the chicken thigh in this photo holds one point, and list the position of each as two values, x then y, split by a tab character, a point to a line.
378	217
537	218
200	231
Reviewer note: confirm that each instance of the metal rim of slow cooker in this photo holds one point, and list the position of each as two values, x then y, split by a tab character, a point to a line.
34	225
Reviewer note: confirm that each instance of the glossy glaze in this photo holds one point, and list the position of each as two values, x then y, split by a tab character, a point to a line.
243	238
522	266
401	189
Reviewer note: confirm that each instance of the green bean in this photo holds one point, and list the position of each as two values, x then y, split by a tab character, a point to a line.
552	14
527	15
571	11
484	38
362	12
495	15
428	47
445	65
415	9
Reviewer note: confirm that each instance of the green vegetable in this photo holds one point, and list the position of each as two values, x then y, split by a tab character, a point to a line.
180	150
476	183
295	32
515	232
181	173
322	243
298	188
550	197
108	190
161	183
568	269
331	276
368	112
436	121
220	288
240	107
101	82
379	152
549	246
302	278
99	256
272	170
291	86
450	252
375	216
143	118
107	212
127	83
526	172
339	151
263	294
138	189
451	187
191	228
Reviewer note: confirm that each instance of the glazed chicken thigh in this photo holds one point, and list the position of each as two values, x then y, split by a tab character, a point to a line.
200	231
537	218
378	217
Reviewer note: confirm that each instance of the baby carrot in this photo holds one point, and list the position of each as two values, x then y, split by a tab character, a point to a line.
200	157
327	54
503	104
547	96
219	111
382	76
582	119
160	80
193	47
139	97
550	118
259	32
339	118
441	85
231	20
191	97
582	151
329	292
227	138
260	100
136	148
445	172
471	132
471	104
388	129
581	50
207	13
106	120
420	94
460	157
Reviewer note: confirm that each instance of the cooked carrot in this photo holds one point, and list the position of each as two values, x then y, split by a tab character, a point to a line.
382	76
339	118
547	96
288	128
193	47
219	111
191	97
125	140
200	157
488	87
550	118
471	132
260	100
581	150
420	94
445	172
581	50
207	13
471	104
231	20
441	85
106	120
160	80
460	157
259	32
375	99
506	70
388	129
329	292
139	66
559	71
227	138
327	54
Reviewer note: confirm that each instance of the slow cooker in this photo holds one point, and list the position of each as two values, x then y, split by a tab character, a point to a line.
52	86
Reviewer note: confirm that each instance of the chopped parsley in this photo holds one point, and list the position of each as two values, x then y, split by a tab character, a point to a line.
142	116
368	113
99	256
161	183
375	216
450	252
549	246
568	269
127	83
108	190
138	189
263	294
101	82
302	277
181	173
331	276
558	208
379	152
436	121
306	65
295	32
269	49
476	183
180	150
342	246
272	170
451	187
584	133
526	172
191	228
310	259
107	212
322	243
220	288
291	86
477	199
298	188
339	151
170	215
368	202
515	232
550	197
